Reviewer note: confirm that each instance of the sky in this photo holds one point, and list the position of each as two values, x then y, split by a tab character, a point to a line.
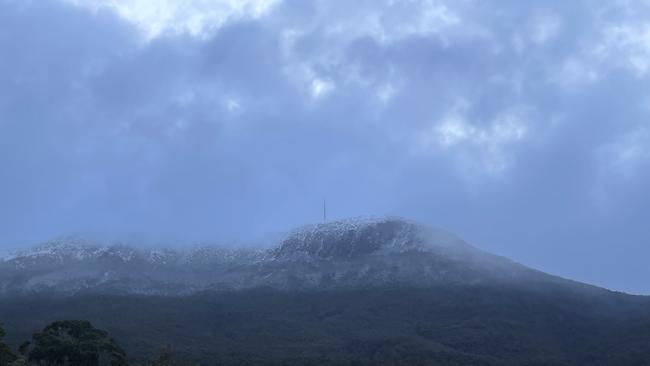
524	127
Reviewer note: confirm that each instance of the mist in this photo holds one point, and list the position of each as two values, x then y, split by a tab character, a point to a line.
521	128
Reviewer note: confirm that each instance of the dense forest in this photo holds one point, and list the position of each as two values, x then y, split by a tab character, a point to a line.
75	343
469	325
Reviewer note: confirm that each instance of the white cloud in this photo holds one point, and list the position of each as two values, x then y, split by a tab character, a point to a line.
195	17
392	21
232	105
311	84
320	87
385	92
484	144
626	45
455	130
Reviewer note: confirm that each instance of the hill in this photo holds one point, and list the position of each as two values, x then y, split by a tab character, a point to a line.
354	292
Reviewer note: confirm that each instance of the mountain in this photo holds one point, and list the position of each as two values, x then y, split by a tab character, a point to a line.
340	254
351	292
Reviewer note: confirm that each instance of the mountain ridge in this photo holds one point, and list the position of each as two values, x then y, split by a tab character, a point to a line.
338	254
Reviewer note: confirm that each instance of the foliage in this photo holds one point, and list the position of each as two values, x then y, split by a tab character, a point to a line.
442	326
75	342
6	355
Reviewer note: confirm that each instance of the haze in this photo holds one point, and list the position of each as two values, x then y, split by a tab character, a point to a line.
524	128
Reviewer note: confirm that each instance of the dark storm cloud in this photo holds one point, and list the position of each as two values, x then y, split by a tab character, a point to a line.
521	127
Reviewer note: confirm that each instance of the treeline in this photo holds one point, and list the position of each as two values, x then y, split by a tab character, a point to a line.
75	343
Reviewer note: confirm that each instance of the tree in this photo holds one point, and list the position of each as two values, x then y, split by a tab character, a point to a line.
74	342
6	356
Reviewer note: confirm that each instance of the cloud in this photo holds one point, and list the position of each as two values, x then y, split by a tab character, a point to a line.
521	126
479	145
395	20
626	45
197	18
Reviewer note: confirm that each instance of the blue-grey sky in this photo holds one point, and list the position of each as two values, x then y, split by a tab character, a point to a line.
522	126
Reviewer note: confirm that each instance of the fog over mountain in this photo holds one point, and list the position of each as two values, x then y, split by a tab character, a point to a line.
324	182
351	253
520	126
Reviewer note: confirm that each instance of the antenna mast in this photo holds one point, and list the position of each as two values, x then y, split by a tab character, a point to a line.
324	211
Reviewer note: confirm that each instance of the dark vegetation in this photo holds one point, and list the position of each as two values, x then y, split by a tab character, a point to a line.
71	342
74	343
446	325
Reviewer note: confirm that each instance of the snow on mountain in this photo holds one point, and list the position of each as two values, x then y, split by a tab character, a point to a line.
354	252
349	237
65	249
60	248
346	239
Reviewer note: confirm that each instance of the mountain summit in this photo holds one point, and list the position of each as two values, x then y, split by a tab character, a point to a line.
355	238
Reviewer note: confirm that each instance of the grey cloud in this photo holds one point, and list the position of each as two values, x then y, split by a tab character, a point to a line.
183	138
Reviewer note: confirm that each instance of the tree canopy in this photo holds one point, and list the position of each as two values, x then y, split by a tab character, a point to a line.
6	355
75	342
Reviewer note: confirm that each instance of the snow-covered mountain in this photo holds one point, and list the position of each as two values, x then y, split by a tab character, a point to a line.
346	253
